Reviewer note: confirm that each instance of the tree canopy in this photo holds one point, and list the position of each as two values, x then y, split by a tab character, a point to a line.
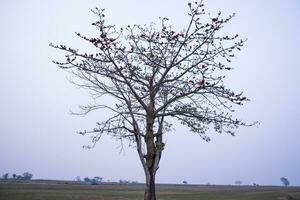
154	73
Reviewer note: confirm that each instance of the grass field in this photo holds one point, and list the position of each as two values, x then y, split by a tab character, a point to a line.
61	190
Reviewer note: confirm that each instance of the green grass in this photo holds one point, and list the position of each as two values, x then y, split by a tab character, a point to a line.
54	190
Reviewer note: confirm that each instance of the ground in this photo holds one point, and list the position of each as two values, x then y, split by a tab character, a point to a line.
68	190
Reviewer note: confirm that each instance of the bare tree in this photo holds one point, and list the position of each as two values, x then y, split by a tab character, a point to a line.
155	73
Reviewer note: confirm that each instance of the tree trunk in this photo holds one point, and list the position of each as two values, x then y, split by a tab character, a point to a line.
152	157
150	187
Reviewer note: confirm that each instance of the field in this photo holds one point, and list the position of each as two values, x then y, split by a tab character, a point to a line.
62	190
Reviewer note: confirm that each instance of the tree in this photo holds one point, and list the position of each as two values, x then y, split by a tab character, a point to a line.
5	176
124	181
285	181
78	179
87	180
154	73
14	176
27	176
238	182
98	179
94	182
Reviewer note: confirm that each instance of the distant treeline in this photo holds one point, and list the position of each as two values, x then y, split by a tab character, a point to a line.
24	176
97	180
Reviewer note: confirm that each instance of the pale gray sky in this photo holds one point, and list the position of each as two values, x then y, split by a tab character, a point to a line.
38	135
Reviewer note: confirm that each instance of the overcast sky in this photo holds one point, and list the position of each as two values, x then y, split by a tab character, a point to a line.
38	135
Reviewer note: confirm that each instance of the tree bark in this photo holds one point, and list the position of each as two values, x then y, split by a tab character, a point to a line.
150	187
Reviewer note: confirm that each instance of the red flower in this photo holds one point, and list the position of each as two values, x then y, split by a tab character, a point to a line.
201	82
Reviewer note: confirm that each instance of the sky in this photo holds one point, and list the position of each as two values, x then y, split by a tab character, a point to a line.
38	134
